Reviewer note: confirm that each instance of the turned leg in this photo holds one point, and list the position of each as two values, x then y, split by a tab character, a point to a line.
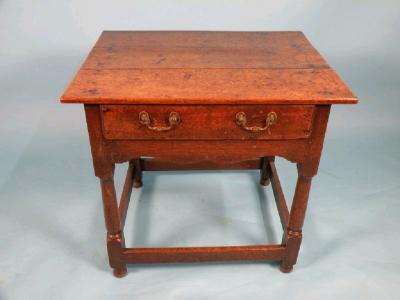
293	234
115	235
104	170
137	175
306	170
264	177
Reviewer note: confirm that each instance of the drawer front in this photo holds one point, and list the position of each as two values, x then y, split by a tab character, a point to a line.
206	122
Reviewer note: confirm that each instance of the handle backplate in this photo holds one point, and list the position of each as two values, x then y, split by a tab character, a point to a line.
241	120
174	119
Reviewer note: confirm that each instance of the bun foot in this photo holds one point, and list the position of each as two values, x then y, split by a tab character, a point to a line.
137	184
120	272
264	182
285	269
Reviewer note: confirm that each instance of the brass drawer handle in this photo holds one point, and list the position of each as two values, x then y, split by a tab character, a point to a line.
174	119
271	119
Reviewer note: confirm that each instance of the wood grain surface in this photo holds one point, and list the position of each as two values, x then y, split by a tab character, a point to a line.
202	122
206	68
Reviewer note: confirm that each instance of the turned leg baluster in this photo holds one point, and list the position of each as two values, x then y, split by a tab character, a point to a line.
293	234
115	236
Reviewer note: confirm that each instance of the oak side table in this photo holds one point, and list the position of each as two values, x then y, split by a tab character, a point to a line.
205	101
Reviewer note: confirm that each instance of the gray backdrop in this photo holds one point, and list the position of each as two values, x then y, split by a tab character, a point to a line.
51	224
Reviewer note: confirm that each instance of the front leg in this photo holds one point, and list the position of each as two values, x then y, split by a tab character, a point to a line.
115	235
307	169
104	169
292	236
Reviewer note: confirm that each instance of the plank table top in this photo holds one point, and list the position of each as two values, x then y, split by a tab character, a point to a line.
195	67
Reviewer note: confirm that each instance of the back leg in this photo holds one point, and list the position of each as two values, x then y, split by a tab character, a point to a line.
264	176
137	174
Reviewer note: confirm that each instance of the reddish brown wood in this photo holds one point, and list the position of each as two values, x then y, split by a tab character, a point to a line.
159	57
110	204
206	68
264	176
157	165
293	233
201	254
204	39
309	166
278	194
199	122
103	168
306	170
115	237
208	86
206	77
213	150
126	194
137	176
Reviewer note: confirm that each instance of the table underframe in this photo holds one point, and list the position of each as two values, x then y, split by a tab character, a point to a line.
177	155
275	252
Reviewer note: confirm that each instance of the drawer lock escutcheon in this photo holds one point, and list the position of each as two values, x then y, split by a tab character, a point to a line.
174	119
271	119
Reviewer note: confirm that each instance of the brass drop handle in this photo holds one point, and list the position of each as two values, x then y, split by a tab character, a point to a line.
271	119
174	119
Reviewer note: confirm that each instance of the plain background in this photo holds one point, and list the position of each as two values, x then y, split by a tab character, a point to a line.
51	225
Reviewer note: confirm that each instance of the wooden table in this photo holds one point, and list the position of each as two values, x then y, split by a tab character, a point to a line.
205	101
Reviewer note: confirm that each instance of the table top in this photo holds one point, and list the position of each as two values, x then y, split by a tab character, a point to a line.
197	67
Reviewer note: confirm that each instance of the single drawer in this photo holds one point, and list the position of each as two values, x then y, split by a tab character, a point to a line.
207	122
